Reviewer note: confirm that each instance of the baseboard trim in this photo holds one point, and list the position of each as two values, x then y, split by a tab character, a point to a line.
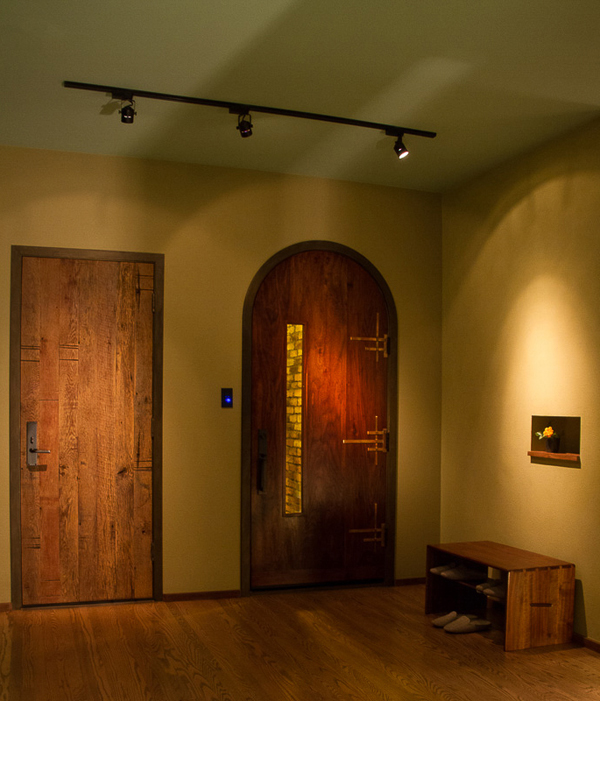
236	594
584	641
6	607
202	595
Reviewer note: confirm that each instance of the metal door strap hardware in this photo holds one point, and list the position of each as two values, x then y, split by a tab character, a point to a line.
381	342
380	438
378	532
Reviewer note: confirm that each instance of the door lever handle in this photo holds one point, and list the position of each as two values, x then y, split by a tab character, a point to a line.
32	449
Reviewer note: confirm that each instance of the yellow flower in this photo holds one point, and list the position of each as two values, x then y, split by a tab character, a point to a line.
548	432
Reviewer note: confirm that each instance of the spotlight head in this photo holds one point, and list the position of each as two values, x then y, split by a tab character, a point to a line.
400	148
128	113
244	125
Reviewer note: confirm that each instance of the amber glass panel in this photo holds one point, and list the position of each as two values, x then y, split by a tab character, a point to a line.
293	420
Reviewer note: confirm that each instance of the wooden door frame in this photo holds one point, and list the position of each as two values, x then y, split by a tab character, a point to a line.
392	401
18	254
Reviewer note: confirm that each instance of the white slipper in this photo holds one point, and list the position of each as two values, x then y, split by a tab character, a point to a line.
441	622
489	584
463	573
464	624
440	569
497	592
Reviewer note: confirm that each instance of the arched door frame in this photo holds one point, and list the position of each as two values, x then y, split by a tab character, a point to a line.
392	397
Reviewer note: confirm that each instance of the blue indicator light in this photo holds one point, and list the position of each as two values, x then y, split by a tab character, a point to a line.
227	398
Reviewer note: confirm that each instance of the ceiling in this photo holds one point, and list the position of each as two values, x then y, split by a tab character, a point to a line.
493	78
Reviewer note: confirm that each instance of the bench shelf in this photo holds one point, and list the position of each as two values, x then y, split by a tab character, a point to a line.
540	590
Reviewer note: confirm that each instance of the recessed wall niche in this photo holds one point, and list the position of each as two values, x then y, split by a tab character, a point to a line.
568	429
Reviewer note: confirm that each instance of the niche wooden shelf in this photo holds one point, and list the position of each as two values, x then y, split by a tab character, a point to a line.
548	455
569	430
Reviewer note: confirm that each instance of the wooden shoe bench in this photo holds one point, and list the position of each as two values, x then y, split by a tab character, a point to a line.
540	591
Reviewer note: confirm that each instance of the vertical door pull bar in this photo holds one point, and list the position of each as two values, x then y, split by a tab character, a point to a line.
32	449
262	459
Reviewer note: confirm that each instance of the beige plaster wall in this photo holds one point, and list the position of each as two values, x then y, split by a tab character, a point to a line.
521	337
216	228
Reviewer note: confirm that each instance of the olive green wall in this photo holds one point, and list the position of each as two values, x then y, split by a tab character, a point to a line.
521	337
216	228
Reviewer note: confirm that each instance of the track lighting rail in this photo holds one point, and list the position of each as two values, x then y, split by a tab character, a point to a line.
240	108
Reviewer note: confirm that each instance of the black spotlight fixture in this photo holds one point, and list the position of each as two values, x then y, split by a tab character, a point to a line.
244	125
128	112
400	148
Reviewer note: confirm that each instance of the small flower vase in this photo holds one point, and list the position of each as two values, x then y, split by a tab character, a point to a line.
553	444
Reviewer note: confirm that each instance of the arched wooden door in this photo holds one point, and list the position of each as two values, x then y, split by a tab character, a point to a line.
319	433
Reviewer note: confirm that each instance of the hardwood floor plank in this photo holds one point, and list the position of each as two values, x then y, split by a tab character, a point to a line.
206	635
325	654
375	651
112	672
365	644
302	663
173	666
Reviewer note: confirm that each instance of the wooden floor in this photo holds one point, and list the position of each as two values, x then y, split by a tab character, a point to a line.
369	644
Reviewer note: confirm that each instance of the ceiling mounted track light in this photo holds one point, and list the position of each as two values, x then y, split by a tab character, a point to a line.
243	111
400	148
244	125
128	112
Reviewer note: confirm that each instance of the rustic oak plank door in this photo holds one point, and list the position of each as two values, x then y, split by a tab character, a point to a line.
320	434
86	514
